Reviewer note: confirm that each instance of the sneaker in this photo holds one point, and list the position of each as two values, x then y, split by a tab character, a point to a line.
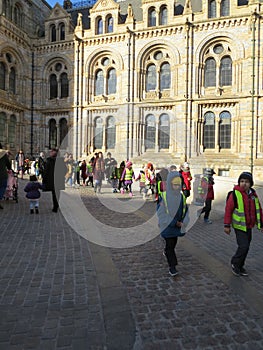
235	270
130	194
172	271
31	211
36	211
207	221
243	272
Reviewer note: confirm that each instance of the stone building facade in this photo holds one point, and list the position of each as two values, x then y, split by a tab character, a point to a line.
166	81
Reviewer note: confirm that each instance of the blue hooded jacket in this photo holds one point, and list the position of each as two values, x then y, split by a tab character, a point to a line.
168	215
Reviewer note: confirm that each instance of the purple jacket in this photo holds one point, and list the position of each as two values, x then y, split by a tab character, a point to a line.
32	189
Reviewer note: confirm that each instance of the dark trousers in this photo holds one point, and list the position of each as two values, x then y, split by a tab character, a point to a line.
207	208
55	198
170	244
243	241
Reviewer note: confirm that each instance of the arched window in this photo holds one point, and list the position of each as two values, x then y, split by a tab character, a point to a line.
3	119
2	75
111	133
53	86
112	81
53	35
151	77
63	131
164	131
99	83
210	72
18	15
12	80
152	17
64	85
52	133
150	132
12	130
211	8
109	28
225	72
225	130
224	8
98	132
165	76
209	130
62	31
99	28
163	15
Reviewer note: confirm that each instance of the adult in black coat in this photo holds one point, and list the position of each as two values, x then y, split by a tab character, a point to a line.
54	177
4	166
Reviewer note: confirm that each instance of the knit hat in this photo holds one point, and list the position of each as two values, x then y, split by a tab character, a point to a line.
246	175
128	164
209	171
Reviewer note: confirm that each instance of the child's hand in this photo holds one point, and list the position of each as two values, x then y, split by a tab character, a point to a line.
227	230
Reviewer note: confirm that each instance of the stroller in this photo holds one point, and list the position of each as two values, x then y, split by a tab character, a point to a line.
12	186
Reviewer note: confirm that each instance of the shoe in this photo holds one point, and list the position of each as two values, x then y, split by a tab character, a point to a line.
243	272
172	271
122	191
31	211
1	207
55	210
130	194
235	270
207	221
36	211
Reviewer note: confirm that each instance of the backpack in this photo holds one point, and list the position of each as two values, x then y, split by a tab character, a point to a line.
234	197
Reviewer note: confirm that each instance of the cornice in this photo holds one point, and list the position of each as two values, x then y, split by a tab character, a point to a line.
55	47
222	23
156	107
8	106
103	110
104	40
218	104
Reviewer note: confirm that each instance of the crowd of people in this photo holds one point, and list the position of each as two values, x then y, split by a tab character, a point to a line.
168	187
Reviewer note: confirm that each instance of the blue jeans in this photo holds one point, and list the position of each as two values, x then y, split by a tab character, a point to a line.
3	185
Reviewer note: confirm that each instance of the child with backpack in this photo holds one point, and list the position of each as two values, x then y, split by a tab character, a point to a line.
243	211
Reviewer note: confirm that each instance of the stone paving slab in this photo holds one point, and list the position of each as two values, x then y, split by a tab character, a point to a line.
58	291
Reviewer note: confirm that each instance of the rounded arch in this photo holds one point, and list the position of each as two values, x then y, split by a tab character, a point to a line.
90	64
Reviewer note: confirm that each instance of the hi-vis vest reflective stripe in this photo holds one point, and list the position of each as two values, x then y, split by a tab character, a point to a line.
238	216
166	207
200	189
128	174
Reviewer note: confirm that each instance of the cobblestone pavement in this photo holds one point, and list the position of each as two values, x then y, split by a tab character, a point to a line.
59	291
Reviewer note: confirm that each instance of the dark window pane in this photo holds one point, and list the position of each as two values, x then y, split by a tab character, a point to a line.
64	85
164	132
209	130
111	133
52	133
2	76
99	83
210	72
225	130
165	76
53	85
12	80
226	71
150	132
151	78
112	81
98	139
212	9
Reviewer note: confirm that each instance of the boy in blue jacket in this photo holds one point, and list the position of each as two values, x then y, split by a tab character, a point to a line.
172	212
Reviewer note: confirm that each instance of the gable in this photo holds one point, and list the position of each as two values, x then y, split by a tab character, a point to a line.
102	5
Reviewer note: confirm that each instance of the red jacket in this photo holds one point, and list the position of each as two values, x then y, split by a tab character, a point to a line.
249	207
187	177
208	187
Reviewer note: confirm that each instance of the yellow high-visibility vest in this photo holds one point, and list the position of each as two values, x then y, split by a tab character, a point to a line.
238	216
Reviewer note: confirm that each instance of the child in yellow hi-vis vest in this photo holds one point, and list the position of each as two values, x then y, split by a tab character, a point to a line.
243	211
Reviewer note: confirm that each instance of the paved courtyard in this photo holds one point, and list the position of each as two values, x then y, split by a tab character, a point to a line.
60	291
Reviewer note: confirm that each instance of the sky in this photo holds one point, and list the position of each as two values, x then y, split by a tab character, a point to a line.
53	2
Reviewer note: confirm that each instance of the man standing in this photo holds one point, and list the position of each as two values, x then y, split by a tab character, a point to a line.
4	166
54	177
110	164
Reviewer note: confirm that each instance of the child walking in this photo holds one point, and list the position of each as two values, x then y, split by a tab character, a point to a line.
33	194
127	177
243	211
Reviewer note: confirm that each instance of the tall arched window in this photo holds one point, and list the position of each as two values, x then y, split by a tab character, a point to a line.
63	131
164	131
52	133
99	27
18	15
12	130
12	80
111	133
53	86
165	76
98	132
150	132
62	31
225	130
211	8
3	119
224	8
99	83
64	85
163	15
225	73
210	72
109	22
2	76
209	130
112	81
53	34
152	17
151	77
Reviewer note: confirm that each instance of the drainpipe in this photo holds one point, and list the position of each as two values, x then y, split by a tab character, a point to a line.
187	25
254	18
128	94
32	106
77	99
